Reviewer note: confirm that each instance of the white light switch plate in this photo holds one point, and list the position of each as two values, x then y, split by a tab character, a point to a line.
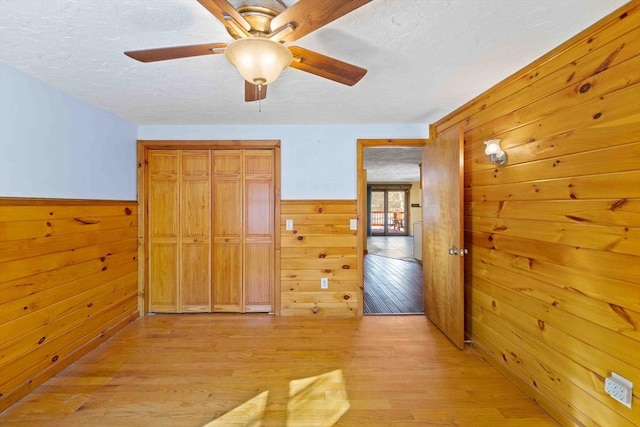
289	225
353	224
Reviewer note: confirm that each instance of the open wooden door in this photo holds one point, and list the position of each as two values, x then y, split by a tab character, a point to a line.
443	235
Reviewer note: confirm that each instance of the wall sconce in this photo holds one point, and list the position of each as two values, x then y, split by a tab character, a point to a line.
495	153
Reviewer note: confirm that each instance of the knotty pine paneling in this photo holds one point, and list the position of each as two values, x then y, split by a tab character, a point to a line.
553	273
68	281
320	245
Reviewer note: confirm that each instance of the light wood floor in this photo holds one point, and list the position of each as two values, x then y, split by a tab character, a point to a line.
187	370
398	247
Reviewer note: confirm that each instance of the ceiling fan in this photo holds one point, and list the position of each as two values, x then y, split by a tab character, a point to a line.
259	29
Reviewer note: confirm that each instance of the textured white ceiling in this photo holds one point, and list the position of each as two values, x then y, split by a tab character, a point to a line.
392	164
425	57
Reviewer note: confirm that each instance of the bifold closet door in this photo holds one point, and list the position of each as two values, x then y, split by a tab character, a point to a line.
195	234
163	230
258	230
211	230
179	230
227	231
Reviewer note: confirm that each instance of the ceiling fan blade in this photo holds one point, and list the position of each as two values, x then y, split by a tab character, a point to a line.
253	93
324	66
309	15
175	52
220	8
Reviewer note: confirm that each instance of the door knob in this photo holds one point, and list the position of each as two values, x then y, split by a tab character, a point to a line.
463	252
453	251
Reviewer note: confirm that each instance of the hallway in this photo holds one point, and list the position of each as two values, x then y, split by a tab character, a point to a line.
392	277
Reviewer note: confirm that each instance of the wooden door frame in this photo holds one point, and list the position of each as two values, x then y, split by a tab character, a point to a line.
361	194
144	146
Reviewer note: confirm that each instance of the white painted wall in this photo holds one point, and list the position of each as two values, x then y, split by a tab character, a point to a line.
53	145
317	161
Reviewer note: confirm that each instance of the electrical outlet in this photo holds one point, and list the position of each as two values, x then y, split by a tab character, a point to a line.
289	225
324	283
619	388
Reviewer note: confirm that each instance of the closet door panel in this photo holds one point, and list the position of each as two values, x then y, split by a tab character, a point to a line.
163	231
227	163
164	290
227	231
259	209
227	276
227	211
259	230
195	283
163	215
259	275
259	164
194	209
195	226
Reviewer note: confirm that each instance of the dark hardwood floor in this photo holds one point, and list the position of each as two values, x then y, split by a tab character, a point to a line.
392	277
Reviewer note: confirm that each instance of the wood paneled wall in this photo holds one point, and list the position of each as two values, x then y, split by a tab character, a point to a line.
553	276
68	281
320	245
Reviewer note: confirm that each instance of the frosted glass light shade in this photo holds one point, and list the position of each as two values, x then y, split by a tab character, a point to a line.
495	153
259	60
492	146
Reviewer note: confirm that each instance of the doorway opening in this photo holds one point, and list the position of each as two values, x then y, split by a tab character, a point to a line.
389	211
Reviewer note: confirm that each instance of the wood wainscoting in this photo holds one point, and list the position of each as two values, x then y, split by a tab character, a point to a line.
68	281
553	274
321	244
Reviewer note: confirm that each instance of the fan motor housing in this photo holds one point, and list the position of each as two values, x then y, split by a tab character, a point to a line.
258	14
259	18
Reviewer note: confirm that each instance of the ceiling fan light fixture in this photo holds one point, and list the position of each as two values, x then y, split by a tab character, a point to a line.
259	61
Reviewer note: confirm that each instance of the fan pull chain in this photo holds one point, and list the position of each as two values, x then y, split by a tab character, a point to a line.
259	98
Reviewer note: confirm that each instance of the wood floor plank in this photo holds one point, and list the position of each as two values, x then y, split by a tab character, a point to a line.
392	286
188	370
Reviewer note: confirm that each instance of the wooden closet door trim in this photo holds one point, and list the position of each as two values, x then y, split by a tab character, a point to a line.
227	144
